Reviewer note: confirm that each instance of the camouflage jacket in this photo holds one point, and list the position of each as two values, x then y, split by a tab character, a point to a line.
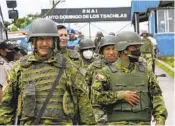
74	56
92	68
102	96
68	100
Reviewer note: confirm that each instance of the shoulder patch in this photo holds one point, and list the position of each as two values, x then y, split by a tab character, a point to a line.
99	77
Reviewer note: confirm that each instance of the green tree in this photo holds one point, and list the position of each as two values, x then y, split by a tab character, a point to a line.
22	22
14	28
7	23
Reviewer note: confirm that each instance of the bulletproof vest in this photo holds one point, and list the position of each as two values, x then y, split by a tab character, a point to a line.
147	46
134	81
36	81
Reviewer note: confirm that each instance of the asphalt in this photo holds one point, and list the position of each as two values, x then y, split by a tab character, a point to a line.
168	92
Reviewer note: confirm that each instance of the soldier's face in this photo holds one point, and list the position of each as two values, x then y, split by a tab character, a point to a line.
62	33
44	46
110	53
132	48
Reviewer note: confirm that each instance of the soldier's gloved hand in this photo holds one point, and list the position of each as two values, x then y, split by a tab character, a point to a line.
131	97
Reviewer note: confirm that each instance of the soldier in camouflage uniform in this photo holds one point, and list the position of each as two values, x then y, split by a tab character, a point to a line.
86	50
147	50
97	40
32	77
71	54
112	33
127	89
108	54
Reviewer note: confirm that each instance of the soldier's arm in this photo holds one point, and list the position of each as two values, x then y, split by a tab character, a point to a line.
8	104
101	89
79	93
159	108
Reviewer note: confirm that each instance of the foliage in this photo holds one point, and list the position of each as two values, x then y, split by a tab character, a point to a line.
21	22
168	60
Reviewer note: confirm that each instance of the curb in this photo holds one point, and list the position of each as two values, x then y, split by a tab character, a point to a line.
165	64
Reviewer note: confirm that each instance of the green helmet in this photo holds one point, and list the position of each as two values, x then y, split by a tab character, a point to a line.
42	27
127	38
112	33
107	40
99	34
13	45
86	44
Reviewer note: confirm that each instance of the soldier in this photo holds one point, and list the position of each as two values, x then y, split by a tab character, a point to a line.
98	37
129	90
147	50
44	88
72	54
108	55
87	48
15	48
112	33
6	56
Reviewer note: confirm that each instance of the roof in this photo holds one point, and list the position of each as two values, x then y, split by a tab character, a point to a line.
142	7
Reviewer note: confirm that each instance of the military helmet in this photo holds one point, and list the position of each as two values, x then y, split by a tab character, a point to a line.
42	27
99	34
112	33
13	45
107	40
10	44
86	44
127	38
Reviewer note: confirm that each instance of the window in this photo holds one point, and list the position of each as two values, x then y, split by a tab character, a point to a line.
165	20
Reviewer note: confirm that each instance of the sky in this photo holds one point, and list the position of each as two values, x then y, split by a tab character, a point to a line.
25	7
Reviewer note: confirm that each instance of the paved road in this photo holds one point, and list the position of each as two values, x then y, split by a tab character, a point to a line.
167	86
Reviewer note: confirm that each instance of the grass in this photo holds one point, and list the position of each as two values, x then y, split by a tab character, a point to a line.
169	61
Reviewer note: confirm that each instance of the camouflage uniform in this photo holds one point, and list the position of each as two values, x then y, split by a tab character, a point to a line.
98	36
112	80
85	45
74	56
110	97
93	68
31	79
147	50
60	108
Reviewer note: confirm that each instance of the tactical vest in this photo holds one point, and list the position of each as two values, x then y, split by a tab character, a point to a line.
147	46
36	82
134	81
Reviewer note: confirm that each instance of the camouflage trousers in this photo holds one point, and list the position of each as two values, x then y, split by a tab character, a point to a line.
149	59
